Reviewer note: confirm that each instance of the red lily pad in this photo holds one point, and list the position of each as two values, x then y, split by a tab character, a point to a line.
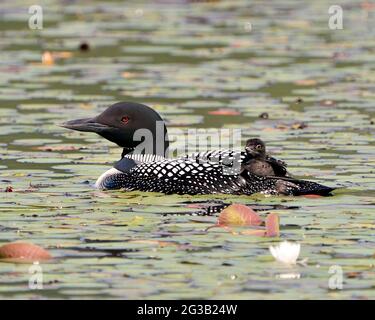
312	196
239	215
272	225
23	251
225	112
58	148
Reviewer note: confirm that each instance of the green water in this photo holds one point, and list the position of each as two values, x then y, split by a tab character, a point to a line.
187	60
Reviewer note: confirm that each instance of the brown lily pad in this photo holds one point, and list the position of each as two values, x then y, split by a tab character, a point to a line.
257	233
58	148
312	196
224	112
23	252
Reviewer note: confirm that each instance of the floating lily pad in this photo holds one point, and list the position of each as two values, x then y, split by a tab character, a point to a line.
188	62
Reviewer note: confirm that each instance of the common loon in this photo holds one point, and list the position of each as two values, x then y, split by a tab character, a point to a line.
260	163
145	166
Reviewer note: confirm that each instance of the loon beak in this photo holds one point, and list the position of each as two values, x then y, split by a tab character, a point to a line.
87	125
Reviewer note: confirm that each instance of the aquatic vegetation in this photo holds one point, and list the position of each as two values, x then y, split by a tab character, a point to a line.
286	252
304	89
239	215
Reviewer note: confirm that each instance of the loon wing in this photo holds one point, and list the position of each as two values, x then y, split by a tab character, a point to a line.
229	160
278	166
292	186
234	159
176	176
190	177
222	157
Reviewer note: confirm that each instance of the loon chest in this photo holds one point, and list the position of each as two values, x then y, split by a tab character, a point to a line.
122	168
101	182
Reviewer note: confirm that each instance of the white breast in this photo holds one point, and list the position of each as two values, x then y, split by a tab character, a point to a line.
99	184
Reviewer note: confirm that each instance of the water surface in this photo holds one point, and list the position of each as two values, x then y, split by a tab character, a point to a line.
187	61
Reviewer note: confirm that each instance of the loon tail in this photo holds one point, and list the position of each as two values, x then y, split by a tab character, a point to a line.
296	187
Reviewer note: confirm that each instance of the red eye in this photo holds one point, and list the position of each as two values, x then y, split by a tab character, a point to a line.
125	119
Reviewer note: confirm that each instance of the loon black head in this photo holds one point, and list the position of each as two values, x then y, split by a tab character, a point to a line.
133	126
256	148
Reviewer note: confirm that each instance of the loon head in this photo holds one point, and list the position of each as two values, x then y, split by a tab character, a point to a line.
255	147
133	126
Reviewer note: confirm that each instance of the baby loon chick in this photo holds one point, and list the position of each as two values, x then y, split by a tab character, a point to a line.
260	163
144	164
